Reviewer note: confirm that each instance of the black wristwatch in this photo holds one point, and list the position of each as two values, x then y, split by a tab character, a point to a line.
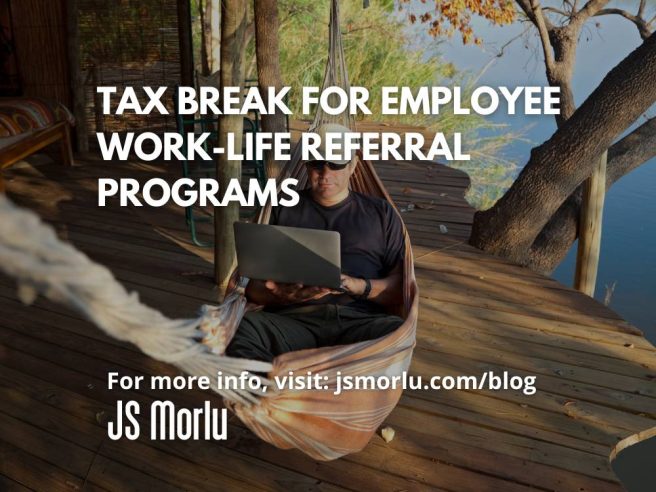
367	289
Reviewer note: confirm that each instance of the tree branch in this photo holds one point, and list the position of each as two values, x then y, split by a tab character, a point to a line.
526	8
541	24
588	10
632	151
525	5
557	237
556	11
640	23
623	13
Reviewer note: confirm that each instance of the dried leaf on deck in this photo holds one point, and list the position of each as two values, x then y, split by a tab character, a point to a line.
387	433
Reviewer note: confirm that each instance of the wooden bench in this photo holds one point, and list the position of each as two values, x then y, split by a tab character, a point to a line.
15	148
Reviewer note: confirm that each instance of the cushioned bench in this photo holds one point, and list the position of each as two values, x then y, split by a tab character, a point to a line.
27	125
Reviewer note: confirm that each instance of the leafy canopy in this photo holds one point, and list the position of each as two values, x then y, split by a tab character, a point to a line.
450	16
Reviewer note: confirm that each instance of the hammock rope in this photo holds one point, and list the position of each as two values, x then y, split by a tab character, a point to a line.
31	252
320	423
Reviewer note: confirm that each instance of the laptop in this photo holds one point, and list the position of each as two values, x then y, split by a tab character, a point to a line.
288	254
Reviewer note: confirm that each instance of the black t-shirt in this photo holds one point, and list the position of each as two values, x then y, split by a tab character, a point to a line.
371	232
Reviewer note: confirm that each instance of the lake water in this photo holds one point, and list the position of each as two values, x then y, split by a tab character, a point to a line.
627	250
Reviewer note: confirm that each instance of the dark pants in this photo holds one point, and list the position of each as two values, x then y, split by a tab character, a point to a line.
263	335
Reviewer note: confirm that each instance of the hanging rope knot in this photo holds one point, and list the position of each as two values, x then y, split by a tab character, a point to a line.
219	323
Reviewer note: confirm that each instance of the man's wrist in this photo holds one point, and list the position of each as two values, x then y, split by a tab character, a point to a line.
367	289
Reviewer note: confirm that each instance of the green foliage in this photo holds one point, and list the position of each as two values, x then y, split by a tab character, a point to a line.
379	53
374	45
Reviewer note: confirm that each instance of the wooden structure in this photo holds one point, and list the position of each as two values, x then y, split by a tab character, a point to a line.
589	246
13	149
65	48
39	28
595	372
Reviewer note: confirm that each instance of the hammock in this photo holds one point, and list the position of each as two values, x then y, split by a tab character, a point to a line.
323	425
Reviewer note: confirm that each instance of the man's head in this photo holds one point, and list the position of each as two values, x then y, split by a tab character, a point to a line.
329	180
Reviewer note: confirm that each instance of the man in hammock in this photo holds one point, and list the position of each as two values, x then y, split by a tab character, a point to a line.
299	317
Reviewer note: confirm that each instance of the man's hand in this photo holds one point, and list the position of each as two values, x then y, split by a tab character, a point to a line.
294	293
386	291
353	286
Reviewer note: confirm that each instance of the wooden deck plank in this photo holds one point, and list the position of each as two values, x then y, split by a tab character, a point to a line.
111	475
539	346
511	359
86	411
35	473
9	485
456	294
461	312
424	363
549	416
470	456
520	446
560	299
72	459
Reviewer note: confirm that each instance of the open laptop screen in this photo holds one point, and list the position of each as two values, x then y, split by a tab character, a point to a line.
288	254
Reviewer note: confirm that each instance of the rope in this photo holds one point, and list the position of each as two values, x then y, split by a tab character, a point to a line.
41	263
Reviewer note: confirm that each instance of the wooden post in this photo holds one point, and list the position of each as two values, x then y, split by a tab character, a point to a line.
587	259
184	40
98	113
233	29
75	71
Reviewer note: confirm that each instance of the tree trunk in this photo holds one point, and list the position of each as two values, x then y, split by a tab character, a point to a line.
557	167
559	45
213	13
554	241
233	25
268	69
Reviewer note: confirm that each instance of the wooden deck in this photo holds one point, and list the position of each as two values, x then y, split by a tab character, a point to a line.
595	373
